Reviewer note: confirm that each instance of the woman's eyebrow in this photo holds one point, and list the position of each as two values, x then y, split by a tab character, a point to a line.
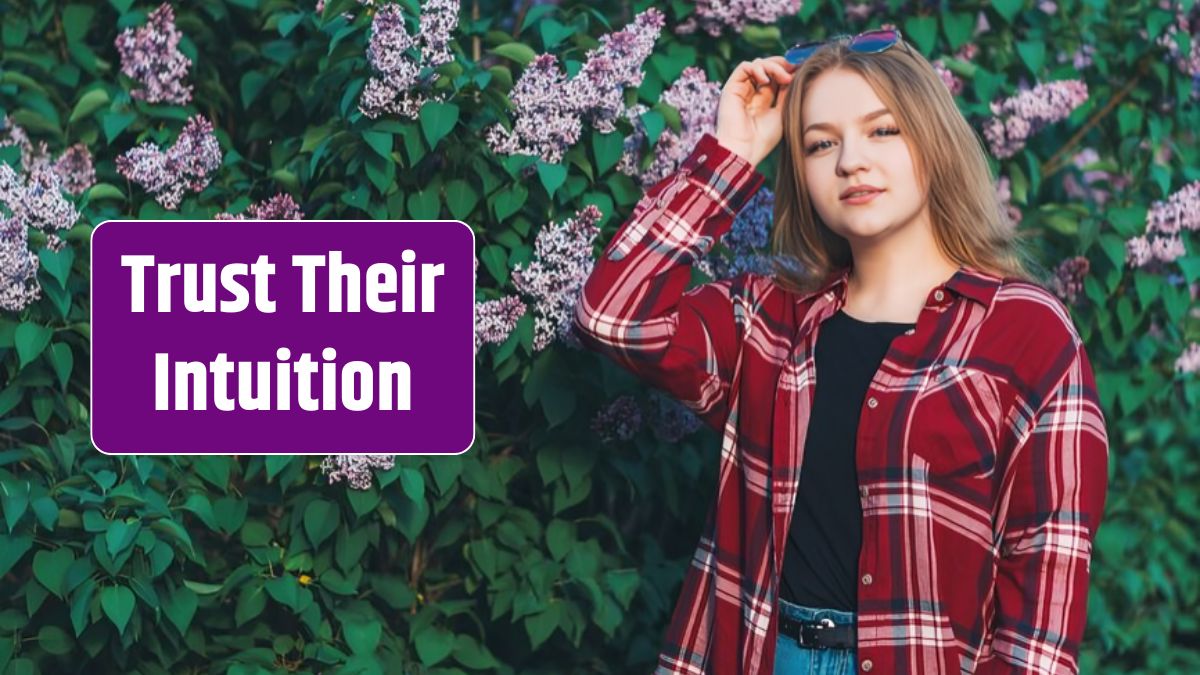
865	118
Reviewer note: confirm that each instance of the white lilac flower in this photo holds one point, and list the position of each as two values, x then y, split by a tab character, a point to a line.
953	82
1004	196
715	15
618	421
18	268
357	470
550	110
34	200
187	165
562	260
1189	360
150	54
696	100
1187	23
279	207
496	319
400	84
1019	117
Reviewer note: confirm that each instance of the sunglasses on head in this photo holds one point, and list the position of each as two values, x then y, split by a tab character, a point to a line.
869	42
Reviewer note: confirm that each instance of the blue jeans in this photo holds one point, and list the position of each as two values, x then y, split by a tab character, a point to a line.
792	659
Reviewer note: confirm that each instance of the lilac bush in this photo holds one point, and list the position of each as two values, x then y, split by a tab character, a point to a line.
696	100
400	83
714	16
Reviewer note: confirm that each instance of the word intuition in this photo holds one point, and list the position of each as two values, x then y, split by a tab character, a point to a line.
200	284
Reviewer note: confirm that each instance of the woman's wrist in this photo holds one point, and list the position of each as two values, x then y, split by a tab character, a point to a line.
739	149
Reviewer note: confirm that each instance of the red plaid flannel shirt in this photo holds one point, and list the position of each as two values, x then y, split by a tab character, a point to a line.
982	453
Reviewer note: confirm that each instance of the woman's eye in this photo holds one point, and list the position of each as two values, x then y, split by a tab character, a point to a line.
889	131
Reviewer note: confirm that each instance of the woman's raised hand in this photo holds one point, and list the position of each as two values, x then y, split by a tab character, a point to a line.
749	115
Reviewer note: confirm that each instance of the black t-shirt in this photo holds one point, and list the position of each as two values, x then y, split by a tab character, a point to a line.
820	565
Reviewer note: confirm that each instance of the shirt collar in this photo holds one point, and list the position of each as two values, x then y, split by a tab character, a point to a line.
967	282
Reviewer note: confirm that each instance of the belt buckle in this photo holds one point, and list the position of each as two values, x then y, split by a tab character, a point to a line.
811	631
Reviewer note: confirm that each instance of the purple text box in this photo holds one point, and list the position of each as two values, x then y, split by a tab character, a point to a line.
401	370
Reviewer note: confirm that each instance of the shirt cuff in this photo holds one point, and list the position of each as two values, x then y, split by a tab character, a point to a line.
730	178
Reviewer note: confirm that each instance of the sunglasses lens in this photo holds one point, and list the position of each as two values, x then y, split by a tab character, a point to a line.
874	41
800	52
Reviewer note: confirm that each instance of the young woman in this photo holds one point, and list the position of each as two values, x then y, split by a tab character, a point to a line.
914	458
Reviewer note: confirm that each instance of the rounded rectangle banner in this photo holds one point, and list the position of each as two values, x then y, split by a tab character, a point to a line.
296	337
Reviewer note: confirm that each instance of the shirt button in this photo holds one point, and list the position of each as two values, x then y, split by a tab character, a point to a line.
701	158
871	402
938	295
867	665
910	331
867	579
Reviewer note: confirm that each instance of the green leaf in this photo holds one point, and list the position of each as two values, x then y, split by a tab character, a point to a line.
654	122
553	32
180	608
1129	221
104	191
560	537
277	463
433	644
363	638
517	51
607	149
425	204
510	200
76	19
251	602
437	120
413	483
252	84
288	22
30	339
923	31
1008	8
55	640
117	603
552	176
623	584
958	27
461	198
13	547
114	123
88	104
1033	53
121	535
50	568
379	141
541	626
14	497
321	519
495	259
63	361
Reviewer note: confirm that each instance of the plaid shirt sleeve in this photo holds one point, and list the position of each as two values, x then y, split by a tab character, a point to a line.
633	306
1058	485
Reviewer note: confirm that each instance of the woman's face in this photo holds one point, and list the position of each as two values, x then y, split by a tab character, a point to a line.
848	142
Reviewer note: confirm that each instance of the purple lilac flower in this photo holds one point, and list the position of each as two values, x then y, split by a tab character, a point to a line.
187	165
953	82
32	200
1189	24
1161	243
495	320
400	83
1020	116
551	110
279	207
714	15
1094	180
357	470
1048	6
1067	283
671	420
150	54
19	287
618	421
562	260
1189	360
1004	196
745	240
696	100
74	167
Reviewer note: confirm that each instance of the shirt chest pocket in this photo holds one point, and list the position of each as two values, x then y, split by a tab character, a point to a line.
956	422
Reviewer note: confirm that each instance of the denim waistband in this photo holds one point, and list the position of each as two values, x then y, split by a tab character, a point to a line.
803	613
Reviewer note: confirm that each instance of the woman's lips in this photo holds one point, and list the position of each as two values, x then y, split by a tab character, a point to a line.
862	198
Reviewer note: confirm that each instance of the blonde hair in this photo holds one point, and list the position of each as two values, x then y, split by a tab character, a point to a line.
970	223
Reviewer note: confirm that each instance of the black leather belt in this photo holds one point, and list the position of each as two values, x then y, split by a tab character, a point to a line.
823	634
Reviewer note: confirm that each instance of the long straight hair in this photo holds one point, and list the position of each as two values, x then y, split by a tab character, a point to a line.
969	222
